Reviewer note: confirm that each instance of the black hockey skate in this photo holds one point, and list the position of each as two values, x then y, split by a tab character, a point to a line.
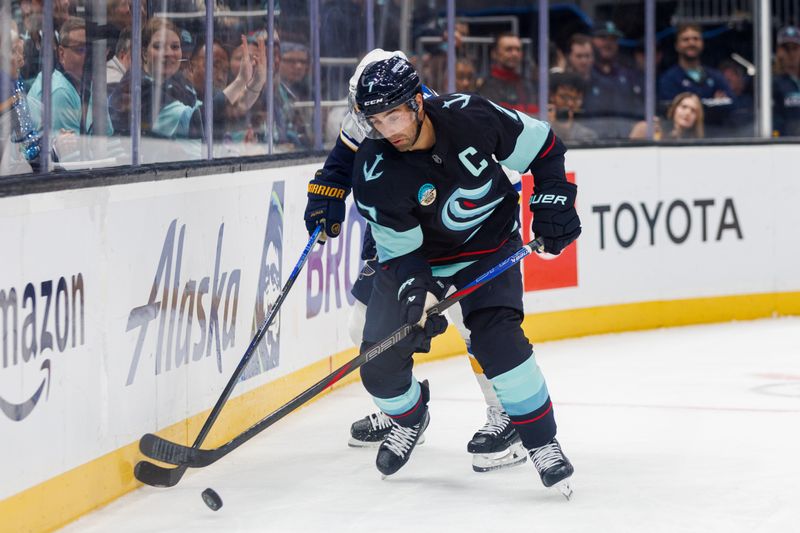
497	444
553	466
395	451
370	431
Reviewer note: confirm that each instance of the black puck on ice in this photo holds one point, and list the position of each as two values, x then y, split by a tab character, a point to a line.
212	499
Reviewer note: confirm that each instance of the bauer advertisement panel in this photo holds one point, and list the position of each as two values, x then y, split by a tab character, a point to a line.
125	309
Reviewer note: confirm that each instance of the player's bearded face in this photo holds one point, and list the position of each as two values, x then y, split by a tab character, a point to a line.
398	126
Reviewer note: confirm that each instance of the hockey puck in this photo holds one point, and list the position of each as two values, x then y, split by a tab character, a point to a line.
212	499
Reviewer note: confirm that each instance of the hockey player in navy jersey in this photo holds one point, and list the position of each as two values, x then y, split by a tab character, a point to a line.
429	182
495	445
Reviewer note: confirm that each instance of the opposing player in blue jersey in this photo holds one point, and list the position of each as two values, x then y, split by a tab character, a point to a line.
495	445
429	181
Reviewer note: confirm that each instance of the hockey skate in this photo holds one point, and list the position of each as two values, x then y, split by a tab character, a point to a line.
497	444
395	451
553	466
371	430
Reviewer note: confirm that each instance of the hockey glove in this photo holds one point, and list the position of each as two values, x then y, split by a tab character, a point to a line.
412	295
554	217
325	206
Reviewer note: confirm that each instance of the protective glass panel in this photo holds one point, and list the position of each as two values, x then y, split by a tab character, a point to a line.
786	72
85	46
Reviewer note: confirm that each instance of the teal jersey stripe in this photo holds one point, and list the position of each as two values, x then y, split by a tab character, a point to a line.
400	404
530	141
528	405
521	387
391	243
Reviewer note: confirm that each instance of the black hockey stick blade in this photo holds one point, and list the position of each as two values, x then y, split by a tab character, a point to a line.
163	450
158	476
195	457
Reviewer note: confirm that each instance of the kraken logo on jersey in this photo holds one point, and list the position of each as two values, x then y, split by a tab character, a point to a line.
369	174
460	213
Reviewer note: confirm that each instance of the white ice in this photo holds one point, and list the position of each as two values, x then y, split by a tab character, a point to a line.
693	429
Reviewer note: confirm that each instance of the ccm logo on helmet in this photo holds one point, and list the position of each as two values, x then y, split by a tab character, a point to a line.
548	199
371	102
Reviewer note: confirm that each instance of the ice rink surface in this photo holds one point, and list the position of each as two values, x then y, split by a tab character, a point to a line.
693	429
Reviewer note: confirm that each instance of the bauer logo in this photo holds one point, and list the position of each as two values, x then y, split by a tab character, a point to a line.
542	272
182	320
37	325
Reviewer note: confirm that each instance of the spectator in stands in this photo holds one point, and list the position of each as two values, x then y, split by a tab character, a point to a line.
742	118
289	125
32	35
342	35
295	66
505	84
684	120
556	58
238	96
69	112
689	74
117	66
12	136
580	56
786	86
119	18
19	152
565	101
63	10
465	76
169	107
614	98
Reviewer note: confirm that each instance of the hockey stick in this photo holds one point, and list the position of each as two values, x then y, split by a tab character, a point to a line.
157	476
184	456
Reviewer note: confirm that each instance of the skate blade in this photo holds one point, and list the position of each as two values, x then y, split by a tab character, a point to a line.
487	462
564	488
355	443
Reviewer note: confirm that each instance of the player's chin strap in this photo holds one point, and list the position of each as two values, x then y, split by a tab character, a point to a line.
415	108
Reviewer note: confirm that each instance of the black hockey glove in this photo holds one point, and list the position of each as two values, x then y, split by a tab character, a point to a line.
554	217
325	206
412	295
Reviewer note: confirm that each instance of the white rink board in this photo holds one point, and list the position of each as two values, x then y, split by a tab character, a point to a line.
95	400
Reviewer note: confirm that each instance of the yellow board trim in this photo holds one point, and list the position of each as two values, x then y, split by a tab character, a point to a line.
68	496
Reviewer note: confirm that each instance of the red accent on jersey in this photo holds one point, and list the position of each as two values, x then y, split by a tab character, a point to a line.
534	419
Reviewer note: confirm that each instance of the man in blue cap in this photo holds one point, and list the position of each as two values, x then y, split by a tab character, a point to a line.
614	99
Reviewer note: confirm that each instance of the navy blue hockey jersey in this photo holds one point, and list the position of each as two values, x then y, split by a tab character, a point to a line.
453	203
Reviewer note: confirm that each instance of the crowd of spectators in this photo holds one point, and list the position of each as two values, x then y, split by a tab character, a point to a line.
596	91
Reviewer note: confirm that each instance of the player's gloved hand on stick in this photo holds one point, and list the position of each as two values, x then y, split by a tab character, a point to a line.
325	206
412	295
554	217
